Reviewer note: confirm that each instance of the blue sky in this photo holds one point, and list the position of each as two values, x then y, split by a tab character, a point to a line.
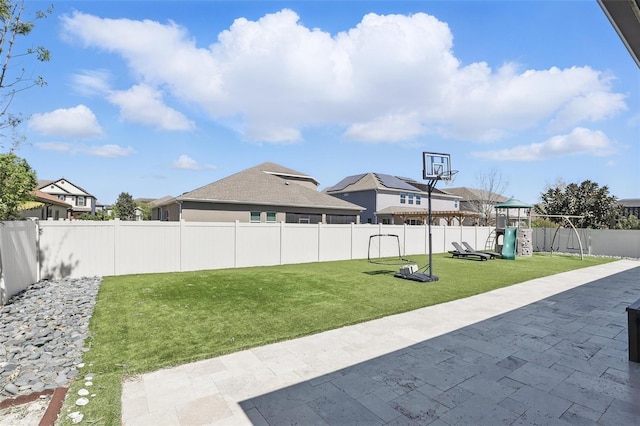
158	98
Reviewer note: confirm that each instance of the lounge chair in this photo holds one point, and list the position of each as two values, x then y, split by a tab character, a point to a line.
460	252
470	249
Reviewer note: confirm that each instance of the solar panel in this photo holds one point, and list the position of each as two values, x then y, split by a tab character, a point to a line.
395	183
349	180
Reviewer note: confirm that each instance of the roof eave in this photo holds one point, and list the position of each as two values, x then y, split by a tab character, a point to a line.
264	203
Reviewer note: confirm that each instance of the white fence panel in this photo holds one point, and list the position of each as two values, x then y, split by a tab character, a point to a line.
77	249
18	257
416	240
615	242
143	247
257	244
299	243
334	242
207	246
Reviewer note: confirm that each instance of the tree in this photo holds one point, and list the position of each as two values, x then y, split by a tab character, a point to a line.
15	80
630	222
125	207
492	186
145	209
597	208
17	181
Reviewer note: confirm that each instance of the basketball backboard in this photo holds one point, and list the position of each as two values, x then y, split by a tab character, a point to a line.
436	166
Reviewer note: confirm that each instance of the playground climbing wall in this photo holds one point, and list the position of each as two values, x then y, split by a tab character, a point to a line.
525	242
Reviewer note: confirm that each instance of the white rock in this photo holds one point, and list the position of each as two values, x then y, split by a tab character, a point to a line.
83	392
82	401
76	417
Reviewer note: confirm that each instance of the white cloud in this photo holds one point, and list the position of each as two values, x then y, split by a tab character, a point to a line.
184	162
106	151
77	122
143	104
580	141
390	78
91	83
55	146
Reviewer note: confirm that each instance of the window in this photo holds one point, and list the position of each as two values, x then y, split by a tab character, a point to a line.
456	204
418	199
62	197
80	201
386	221
403	198
340	219
255	217
410	198
271	217
303	218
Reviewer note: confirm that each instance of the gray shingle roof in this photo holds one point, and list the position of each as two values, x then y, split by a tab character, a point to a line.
378	181
474	194
267	184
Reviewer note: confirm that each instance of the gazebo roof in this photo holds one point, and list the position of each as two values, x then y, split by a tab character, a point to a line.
512	203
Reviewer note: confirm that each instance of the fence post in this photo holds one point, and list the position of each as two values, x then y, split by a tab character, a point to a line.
235	243
351	229
183	224
319	240
38	272
281	241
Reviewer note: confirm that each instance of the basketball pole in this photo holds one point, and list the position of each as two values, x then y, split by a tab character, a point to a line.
430	186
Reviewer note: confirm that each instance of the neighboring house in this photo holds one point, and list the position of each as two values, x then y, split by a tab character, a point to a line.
396	200
79	199
162	207
265	193
45	207
630	206
480	201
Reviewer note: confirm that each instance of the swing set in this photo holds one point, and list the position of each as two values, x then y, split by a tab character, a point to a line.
570	242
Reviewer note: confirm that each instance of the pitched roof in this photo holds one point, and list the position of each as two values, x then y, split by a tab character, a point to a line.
267	184
474	194
378	181
630	202
43	183
48	198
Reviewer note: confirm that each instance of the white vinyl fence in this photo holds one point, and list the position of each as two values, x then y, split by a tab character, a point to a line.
87	248
59	249
18	257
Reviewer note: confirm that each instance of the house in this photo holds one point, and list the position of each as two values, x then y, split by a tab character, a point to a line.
480	201
397	200
267	192
45	207
79	199
630	206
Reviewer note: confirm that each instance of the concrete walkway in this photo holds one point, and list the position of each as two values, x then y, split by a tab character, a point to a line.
548	351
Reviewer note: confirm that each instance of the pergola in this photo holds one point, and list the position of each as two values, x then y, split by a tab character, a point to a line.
423	215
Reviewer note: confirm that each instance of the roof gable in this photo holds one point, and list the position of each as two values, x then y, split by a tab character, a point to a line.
61	186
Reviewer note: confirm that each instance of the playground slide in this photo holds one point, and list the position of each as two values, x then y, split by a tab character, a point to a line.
509	244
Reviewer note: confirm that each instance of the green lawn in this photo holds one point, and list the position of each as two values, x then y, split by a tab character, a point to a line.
146	322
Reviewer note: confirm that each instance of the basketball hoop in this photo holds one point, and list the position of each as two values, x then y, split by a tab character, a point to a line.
448	177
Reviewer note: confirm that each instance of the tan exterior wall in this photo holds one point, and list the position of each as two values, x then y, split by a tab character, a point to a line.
212	212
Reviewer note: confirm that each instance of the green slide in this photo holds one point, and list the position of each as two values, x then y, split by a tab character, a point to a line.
509	244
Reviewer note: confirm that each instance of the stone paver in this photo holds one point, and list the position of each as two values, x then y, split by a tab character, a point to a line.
547	351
